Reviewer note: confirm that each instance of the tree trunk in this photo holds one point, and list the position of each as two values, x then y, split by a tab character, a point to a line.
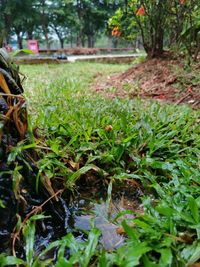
30	35
154	49
114	42
59	35
90	39
78	41
83	40
71	39
46	36
19	41
160	41
61	43
154	52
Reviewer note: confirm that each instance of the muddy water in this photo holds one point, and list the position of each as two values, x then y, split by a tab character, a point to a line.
85	209
97	211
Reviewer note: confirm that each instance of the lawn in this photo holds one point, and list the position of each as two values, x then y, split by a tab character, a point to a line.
141	151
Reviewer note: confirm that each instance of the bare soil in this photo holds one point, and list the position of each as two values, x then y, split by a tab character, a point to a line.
162	79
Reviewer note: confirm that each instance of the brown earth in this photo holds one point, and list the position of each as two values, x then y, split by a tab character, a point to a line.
162	79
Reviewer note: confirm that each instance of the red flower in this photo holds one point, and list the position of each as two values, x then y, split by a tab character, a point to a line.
116	32
141	11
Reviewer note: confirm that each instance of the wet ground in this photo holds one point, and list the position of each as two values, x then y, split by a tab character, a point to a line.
77	214
102	210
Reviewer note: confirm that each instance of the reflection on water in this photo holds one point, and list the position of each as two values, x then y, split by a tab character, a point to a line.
101	216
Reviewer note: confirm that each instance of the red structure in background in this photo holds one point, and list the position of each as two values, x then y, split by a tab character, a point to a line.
33	46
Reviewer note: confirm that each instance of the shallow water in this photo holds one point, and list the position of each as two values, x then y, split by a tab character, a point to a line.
98	212
77	214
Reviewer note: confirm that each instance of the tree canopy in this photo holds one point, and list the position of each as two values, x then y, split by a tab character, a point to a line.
82	19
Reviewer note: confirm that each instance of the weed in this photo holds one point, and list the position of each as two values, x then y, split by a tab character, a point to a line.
156	145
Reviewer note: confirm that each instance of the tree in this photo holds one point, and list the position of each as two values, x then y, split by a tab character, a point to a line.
5	20
82	18
147	17
17	17
92	18
63	19
43	8
158	20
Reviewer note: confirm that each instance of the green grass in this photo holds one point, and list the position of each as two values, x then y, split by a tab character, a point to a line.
155	144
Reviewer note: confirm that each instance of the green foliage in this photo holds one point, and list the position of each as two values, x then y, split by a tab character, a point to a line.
175	23
43	19
148	18
24	51
156	144
191	30
9	260
1	204
17	17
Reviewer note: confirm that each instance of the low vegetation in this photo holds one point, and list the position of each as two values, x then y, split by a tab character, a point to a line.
152	147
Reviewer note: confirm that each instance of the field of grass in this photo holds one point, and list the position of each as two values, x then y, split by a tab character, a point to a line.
155	146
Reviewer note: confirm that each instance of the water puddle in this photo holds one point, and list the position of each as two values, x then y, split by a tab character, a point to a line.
91	212
86	209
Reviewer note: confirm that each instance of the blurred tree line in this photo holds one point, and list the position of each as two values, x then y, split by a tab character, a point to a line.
81	20
174	24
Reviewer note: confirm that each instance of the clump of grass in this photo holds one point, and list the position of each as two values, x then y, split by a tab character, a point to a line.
121	139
